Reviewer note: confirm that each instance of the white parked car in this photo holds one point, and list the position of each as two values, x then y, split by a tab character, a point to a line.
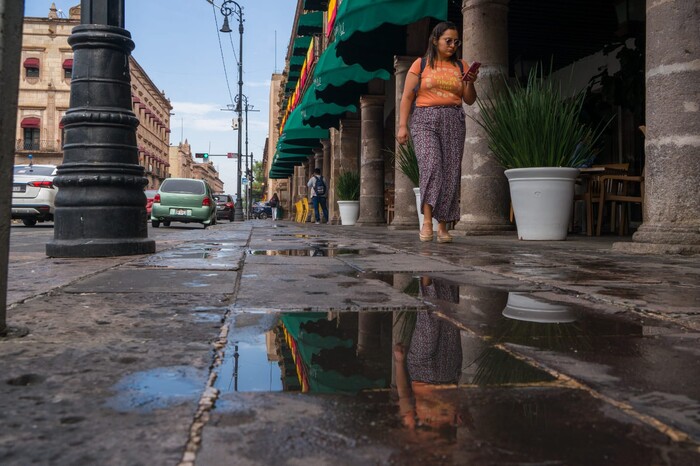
33	193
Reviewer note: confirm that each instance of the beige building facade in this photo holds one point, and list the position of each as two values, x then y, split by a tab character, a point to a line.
271	186
180	159
207	172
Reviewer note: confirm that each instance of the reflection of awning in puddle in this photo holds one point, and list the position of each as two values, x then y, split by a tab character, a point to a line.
305	345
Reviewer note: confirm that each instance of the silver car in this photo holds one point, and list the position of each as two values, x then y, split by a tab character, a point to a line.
33	193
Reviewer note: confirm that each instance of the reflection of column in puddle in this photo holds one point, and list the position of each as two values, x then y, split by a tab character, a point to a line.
402	326
368	334
477	304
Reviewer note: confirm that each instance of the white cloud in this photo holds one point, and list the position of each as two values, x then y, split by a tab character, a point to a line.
209	124
184	109
258	84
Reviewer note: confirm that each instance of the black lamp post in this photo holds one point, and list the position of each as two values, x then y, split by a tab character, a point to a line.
228	8
100	204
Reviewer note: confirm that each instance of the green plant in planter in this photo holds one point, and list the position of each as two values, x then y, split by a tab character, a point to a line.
347	186
533	125
405	159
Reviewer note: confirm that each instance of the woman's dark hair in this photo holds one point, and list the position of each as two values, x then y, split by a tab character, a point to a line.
432	53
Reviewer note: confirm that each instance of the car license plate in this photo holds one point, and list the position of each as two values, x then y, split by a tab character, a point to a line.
19	188
179	212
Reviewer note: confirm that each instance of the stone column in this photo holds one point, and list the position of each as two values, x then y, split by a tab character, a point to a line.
317	159
371	161
349	146
405	214
485	194
326	172
672	168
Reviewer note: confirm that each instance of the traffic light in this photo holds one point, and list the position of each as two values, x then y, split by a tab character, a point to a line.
206	156
201	155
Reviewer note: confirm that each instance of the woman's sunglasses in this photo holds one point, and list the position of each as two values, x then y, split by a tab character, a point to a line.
451	42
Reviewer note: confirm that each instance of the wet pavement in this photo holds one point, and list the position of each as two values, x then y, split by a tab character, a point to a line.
263	343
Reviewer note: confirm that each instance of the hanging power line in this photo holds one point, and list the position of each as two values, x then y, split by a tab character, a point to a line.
221	49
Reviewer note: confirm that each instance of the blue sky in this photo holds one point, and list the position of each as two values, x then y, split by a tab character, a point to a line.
177	45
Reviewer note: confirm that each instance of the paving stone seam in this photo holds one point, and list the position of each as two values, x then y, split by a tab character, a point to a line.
672	433
210	394
58	288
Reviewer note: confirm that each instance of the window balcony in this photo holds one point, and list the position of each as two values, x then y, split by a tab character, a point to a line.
44	145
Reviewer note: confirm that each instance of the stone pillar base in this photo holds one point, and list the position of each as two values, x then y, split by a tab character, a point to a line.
404	223
663	239
370	223
482	229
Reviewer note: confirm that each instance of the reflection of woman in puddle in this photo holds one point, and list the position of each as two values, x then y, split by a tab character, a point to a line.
434	358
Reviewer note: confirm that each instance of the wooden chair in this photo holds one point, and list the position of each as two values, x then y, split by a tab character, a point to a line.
389	205
591	181
623	190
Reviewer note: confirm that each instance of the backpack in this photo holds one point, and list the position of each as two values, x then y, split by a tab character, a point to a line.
320	186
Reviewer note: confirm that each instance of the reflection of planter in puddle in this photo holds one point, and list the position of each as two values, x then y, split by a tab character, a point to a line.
523	307
540	324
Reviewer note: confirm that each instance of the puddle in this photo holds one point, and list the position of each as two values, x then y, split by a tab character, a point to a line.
351	352
158	388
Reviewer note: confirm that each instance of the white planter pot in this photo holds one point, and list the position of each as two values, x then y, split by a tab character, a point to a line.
416	191
349	212
523	307
542	201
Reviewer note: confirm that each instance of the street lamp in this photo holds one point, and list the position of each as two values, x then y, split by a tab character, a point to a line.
249	189
228	8
100	176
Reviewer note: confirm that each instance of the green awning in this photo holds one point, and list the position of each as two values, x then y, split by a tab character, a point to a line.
297	149
295	63
379	26
368	15
279	175
297	133
336	82
310	23
300	46
316	5
317	113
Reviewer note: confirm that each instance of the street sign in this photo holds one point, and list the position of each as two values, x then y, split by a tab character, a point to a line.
231	155
244	180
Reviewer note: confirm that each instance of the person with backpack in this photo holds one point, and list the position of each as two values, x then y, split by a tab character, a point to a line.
438	83
274	202
319	191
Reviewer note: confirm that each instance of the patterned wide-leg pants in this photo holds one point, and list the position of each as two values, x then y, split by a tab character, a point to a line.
438	136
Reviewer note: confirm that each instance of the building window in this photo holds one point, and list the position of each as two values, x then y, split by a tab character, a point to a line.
31	67
67	68
32	137
32	133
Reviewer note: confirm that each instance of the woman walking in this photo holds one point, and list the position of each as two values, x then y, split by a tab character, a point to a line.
439	83
274	202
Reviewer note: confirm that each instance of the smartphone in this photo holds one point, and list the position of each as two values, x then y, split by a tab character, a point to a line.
472	69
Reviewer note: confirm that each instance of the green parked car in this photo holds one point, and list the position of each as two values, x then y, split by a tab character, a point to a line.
183	200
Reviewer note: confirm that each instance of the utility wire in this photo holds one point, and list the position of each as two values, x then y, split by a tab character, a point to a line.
221	49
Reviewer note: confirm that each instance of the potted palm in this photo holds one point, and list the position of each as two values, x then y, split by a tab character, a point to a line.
535	133
406	160
347	190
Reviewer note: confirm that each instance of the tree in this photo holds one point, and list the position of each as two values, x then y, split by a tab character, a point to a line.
257	185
